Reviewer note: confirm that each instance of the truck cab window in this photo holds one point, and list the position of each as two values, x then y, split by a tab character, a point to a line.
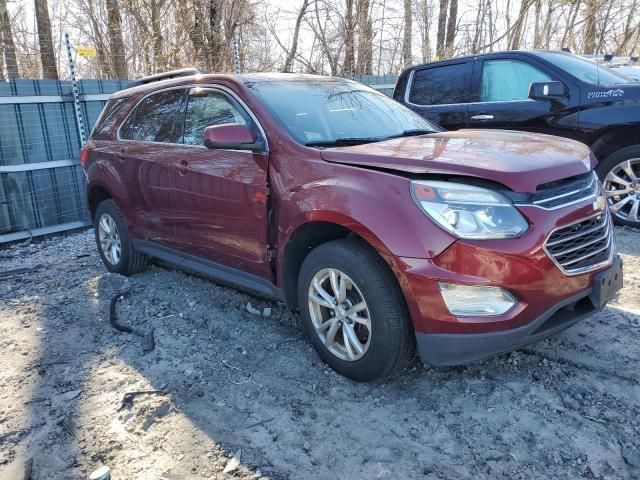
508	80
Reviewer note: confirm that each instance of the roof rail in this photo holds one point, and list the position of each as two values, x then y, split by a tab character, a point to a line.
183	72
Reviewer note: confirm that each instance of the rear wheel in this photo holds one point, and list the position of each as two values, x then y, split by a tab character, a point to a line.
353	310
114	243
620	175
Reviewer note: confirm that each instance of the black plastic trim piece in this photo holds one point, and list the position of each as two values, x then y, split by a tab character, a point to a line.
220	273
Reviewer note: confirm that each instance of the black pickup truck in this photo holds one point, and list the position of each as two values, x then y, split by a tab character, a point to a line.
540	91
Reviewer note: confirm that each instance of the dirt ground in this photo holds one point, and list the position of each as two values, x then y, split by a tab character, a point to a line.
235	383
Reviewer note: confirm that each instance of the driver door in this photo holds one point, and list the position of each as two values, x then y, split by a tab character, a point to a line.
218	197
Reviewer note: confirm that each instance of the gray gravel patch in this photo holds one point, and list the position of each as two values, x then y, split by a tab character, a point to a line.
235	383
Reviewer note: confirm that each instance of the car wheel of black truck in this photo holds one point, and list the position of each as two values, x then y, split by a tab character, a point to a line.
114	243
620	176
353	310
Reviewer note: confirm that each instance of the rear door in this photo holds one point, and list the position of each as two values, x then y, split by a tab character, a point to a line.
441	92
219	197
501	97
148	138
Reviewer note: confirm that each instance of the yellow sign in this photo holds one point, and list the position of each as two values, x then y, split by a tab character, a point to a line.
86	51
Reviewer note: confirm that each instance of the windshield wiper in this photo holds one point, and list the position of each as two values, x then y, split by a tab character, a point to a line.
342	141
409	133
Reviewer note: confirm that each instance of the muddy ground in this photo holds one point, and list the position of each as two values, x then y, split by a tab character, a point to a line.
232	382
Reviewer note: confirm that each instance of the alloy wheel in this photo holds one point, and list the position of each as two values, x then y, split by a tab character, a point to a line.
622	189
109	239
340	314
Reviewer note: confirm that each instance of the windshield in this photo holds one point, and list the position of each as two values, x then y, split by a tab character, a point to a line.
585	70
326	112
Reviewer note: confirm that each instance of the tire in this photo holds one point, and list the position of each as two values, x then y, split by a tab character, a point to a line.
128	261
388	343
627	179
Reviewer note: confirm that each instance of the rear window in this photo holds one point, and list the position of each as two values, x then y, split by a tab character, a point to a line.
442	85
157	118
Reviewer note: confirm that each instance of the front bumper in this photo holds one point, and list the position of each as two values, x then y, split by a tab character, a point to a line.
549	300
460	348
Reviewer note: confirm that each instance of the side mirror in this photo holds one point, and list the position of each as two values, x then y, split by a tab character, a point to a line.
555	92
231	136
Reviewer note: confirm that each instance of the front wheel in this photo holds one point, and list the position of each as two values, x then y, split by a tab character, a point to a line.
620	176
353	310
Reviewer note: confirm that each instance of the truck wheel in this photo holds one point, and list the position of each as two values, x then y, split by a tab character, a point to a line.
620	176
353	310
114	243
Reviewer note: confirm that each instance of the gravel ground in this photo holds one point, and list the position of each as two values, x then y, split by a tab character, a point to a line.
236	383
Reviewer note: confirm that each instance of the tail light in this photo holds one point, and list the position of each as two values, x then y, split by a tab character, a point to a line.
84	156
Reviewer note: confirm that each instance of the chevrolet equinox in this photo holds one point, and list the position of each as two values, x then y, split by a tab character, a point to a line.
384	231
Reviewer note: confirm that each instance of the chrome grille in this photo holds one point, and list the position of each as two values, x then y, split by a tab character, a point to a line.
563	193
582	246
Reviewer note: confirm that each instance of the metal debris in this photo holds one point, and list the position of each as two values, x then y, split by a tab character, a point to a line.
233	462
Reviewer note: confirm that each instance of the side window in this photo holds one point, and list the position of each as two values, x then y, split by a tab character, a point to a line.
107	118
442	85
504	80
210	107
157	118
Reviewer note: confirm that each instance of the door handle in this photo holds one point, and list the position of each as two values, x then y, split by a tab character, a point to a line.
121	153
482	117
183	167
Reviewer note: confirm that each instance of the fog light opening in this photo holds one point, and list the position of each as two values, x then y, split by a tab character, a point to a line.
476	301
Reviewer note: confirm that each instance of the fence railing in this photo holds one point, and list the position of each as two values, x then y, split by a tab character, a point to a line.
41	181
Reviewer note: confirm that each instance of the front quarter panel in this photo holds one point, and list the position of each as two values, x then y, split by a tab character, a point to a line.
377	206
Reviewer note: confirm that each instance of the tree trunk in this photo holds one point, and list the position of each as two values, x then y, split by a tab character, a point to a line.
116	44
45	40
424	33
516	33
567	37
156	32
477	36
442	25
406	45
590	19
349	47
537	33
8	46
365	38
288	63
452	25
214	46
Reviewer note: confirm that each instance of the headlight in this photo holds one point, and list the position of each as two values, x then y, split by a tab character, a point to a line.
468	211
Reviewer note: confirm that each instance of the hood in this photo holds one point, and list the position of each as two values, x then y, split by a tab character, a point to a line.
520	161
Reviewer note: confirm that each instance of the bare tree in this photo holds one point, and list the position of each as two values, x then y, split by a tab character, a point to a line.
518	25
424	23
452	26
349	40
116	44
590	16
365	37
442	25
6	38
406	44
288	64
45	40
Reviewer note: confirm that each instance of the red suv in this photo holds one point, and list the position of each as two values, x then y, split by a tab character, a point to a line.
381	229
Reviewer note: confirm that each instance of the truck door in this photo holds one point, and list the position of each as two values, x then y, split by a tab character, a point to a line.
501	97
440	93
